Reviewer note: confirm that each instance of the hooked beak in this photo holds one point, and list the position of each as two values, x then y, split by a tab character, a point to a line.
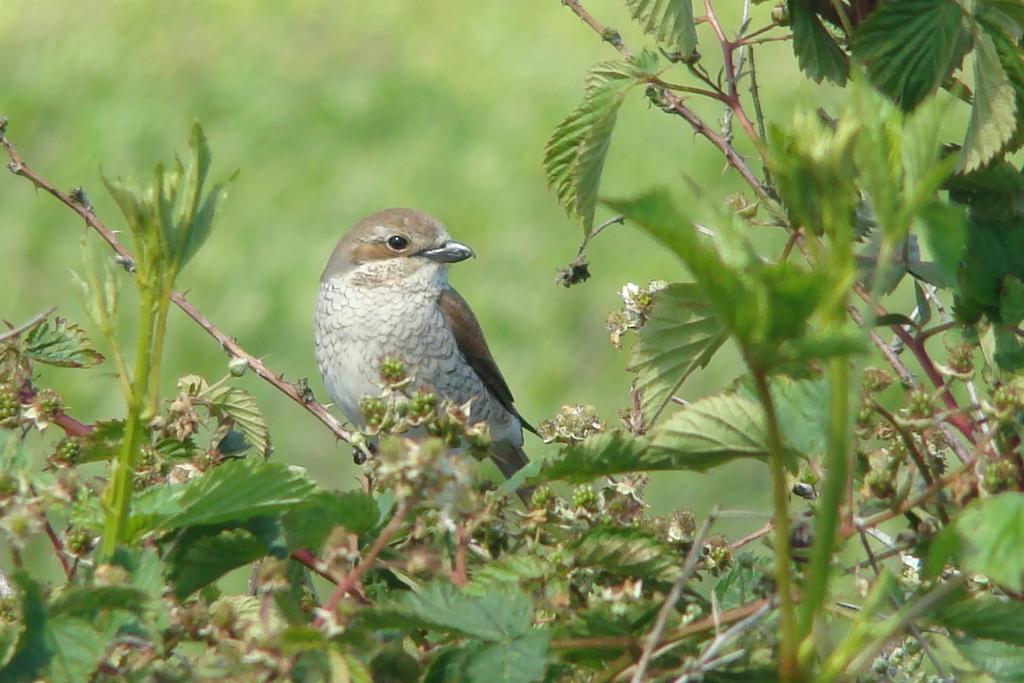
449	252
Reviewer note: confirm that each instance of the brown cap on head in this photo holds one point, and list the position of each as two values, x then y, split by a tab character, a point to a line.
391	233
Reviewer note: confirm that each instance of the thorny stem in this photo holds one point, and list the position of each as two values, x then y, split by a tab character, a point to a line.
117	498
676	106
728	48
689	567
303	398
788	670
916	346
350	581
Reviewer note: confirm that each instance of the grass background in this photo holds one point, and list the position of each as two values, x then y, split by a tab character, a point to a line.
333	110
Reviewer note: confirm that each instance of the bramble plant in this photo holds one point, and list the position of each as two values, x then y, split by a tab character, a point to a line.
890	438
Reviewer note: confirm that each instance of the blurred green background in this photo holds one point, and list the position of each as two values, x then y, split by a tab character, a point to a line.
333	110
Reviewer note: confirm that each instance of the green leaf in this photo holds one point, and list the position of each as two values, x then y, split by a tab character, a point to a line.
199	562
234	491
231	403
712	431
574	156
944	229
801	407
761	305
997	19
501	615
817	51
1001	662
89	601
309	525
102	443
77	647
747	579
995	238
521	660
909	47
603	454
61	343
994	114
680	337
33	651
627	551
670	22
993	532
981	617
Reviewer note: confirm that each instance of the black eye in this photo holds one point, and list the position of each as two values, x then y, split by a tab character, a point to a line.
397	242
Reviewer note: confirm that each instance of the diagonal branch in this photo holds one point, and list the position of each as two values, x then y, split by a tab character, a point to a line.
75	201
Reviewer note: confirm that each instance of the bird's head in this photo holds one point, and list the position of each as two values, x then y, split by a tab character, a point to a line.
395	245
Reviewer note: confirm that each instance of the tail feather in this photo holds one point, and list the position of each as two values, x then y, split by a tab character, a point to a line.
510	458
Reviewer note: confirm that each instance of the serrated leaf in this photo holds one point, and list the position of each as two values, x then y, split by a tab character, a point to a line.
102	443
670	22
500	615
1003	663
680	337
712	431
801	407
229	402
234	491
205	559
1006	39
984	617
993	532
309	525
746	579
944	229
521	660
602	454
32	652
87	602
817	51
762	305
77	647
509	569
60	343
993	116
909	47
574	156
627	551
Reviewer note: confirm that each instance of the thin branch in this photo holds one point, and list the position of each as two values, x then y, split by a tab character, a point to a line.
706	624
674	105
958	420
18	166
907	377
351	581
689	567
752	536
21	329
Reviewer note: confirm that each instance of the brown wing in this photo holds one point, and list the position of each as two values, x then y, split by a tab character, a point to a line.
471	342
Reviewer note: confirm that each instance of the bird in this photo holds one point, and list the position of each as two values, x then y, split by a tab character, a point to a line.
384	293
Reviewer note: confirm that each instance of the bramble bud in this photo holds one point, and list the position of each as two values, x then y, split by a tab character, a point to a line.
876	380
373	410
584	497
10	405
920	404
237	366
392	371
78	542
49	402
961	359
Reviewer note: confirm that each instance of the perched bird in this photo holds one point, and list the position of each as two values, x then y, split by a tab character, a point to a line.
385	294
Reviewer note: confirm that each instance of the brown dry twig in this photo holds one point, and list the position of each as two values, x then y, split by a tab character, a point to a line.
74	202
